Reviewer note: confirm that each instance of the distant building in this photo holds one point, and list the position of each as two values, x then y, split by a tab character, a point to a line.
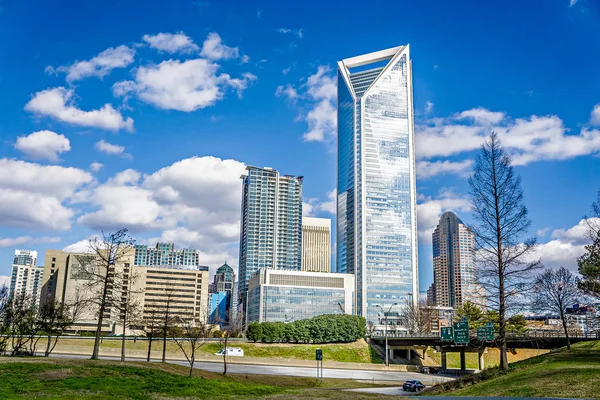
223	285
431	295
285	296
218	308
183	288
454	263
316	244
165	254
271	224
26	278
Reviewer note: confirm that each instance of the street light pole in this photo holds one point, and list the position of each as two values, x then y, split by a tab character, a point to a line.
385	319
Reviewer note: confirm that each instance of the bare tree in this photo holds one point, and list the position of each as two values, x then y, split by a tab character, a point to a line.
129	304
168	318
105	274
232	328
4	318
501	220
416	319
152	327
554	291
190	335
55	319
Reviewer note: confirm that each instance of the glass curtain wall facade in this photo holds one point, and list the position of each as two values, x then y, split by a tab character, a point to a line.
271	224
376	204
454	277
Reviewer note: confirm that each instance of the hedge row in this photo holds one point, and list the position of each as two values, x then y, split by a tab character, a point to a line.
328	328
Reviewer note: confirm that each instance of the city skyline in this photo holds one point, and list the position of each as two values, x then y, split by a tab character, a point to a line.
116	150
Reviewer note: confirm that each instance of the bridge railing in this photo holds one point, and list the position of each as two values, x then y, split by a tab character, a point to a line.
530	335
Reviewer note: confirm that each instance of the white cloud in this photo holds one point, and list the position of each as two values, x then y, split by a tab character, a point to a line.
100	66
171	43
428	169
35	196
214	49
96	166
428	106
184	86
58	103
542	232
45	145
312	206
193	202
13	242
112	149
482	116
578	234
526	139
572	2
595	116
297	32
286	71
430	209
81	246
288	91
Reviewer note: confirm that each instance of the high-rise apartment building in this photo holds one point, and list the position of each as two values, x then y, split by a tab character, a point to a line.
271	223
26	278
376	202
316	244
165	254
454	279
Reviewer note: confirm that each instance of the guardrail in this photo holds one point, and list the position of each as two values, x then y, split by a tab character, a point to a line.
533	334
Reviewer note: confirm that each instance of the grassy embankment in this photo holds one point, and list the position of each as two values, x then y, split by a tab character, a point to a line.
490	359
358	352
24	378
563	373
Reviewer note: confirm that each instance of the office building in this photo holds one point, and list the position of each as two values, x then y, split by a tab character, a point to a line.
285	296
316	244
376	201
183	289
271	223
453	262
165	254
218	308
26	278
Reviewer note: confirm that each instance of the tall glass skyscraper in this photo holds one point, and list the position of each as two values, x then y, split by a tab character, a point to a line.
376	204
271	224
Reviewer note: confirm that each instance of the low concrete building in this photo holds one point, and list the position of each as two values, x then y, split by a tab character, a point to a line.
285	296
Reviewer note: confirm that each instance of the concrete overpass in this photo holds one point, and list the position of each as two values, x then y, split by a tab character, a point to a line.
531	340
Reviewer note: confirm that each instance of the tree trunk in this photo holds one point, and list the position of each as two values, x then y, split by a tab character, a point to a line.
164	349
566	328
225	357
47	352
149	349
96	350
123	340
192	359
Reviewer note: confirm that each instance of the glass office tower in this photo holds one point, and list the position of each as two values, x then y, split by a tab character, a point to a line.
271	224
376	204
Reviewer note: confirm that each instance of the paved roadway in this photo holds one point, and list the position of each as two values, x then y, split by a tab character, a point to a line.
397	391
256	369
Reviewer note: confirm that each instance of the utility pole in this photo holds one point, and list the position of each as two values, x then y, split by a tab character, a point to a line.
385	319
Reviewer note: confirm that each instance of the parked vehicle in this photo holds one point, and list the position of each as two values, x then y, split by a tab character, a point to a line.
231	351
413	386
429	370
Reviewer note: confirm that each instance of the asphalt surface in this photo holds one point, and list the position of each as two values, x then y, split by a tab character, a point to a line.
256	369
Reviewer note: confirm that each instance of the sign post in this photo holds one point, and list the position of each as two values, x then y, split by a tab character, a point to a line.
319	358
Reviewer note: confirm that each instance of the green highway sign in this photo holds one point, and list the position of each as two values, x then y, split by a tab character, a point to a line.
485	333
461	332
447	333
319	355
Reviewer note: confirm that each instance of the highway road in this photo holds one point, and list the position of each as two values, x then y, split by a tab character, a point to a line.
242	369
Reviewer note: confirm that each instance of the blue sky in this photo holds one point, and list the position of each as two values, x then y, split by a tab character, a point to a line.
144	116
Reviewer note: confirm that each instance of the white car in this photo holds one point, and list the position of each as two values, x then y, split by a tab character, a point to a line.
231	351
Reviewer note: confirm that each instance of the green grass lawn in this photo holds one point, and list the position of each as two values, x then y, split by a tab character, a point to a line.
358	351
563	373
24	378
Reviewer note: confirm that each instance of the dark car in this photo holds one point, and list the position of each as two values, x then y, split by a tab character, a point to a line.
413	386
429	370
